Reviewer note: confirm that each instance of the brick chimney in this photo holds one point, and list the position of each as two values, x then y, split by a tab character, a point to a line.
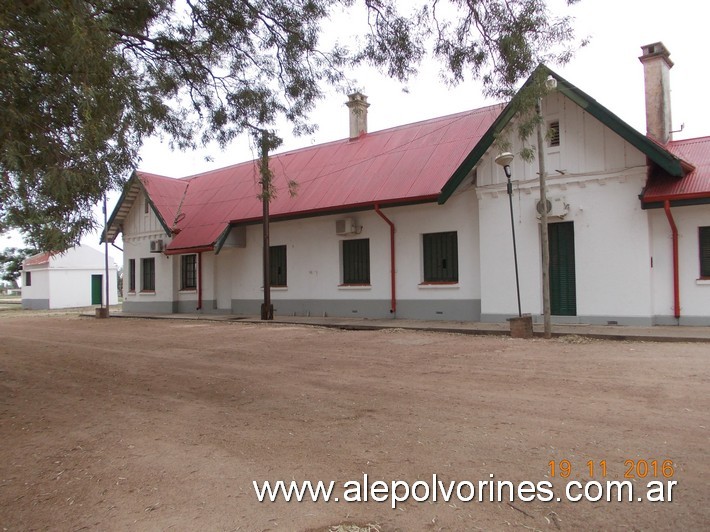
656	72
357	103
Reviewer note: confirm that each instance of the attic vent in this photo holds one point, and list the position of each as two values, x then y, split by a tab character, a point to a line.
553	133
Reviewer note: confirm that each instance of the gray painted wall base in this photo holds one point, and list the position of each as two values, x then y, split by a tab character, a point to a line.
637	321
440	309
35	304
434	309
690	321
150	307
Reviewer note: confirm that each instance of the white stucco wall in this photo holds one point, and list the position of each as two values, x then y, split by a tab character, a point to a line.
600	176
139	229
65	281
37	294
694	292
72	287
314	260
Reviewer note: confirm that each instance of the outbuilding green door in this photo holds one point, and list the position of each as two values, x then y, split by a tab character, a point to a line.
96	292
563	288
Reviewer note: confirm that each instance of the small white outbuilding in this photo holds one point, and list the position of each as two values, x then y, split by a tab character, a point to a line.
73	278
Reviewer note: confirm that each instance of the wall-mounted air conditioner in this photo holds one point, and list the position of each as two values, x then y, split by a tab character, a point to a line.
156	246
346	226
557	207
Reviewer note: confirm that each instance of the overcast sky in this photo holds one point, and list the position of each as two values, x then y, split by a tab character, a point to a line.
607	69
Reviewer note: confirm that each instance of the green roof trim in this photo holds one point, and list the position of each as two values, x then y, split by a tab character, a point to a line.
221	239
133	180
478	151
654	151
126	187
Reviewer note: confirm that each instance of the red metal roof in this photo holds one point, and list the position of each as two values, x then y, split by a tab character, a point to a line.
695	184
395	166
166	194
35	260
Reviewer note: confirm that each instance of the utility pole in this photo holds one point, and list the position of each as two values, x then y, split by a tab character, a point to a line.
543	224
267	309
108	281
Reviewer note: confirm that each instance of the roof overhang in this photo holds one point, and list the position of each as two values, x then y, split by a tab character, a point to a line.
186	251
131	191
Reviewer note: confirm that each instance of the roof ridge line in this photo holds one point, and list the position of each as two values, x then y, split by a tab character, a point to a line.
345	140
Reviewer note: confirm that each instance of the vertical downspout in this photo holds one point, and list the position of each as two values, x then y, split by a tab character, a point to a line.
393	271
199	281
676	282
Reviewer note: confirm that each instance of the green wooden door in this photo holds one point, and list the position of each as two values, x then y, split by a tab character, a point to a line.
563	289
96	291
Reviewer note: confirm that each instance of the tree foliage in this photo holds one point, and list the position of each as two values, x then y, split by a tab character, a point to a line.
83	82
11	263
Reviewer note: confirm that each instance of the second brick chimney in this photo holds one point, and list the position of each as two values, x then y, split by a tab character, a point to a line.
357	103
656	72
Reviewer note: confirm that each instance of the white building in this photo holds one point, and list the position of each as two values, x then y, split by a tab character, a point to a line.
74	278
413	221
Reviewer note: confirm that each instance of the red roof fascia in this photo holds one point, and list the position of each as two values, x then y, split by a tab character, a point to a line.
183	251
345	208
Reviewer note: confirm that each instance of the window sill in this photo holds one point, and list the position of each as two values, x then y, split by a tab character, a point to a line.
703	281
354	287
187	290
427	286
279	288
147	292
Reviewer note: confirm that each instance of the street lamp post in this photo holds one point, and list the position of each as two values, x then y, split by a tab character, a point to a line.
504	160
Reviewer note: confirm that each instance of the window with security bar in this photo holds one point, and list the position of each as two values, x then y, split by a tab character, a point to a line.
188	269
441	257
704	244
277	265
131	275
148	275
356	261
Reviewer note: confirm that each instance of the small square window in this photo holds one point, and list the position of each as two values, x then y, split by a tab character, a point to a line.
356	261
553	133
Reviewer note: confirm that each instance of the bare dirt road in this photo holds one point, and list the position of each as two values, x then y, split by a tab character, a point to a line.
165	424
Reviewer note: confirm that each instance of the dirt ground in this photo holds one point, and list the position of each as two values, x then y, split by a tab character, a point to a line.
165	424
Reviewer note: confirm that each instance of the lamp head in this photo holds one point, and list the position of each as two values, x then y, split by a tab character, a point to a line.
504	160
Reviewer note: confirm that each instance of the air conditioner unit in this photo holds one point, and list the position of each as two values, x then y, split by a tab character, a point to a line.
346	226
156	246
557	207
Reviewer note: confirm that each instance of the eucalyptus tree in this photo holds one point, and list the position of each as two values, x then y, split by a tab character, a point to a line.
84	82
